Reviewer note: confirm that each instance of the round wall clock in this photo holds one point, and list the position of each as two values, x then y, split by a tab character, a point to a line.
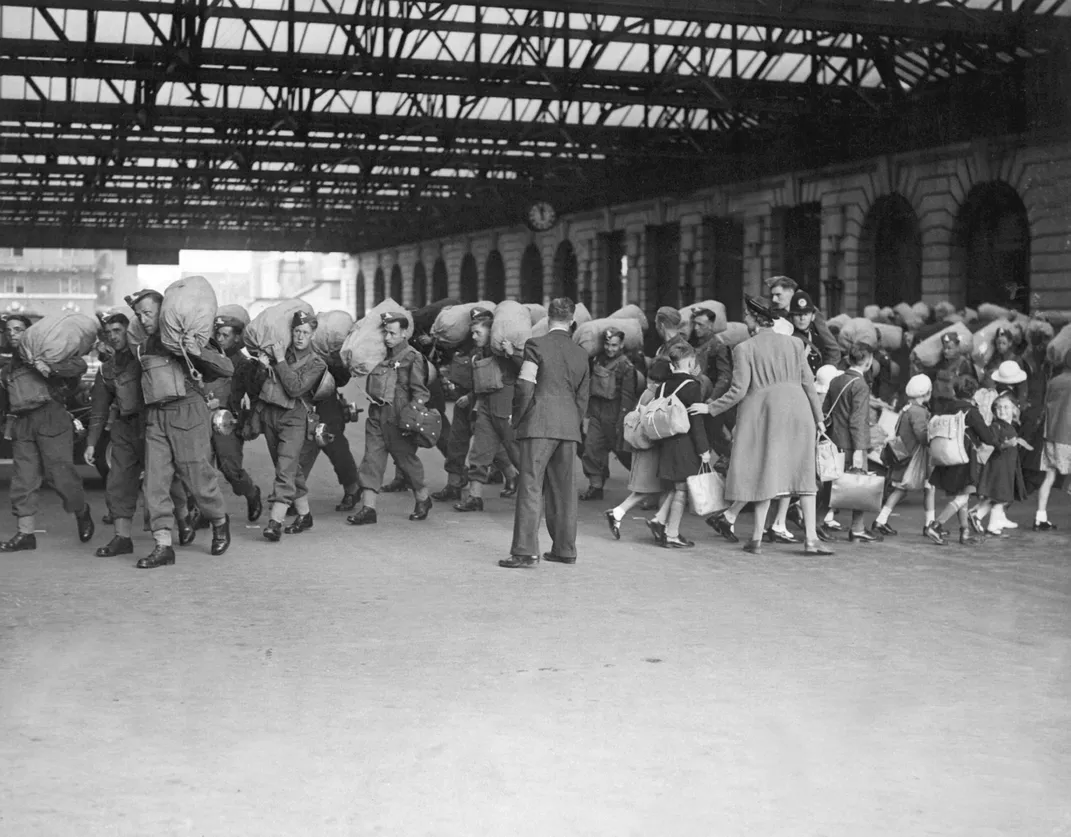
541	216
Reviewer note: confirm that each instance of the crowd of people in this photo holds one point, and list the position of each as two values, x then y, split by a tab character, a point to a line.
781	418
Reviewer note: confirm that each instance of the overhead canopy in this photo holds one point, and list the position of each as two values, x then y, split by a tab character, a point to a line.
351	124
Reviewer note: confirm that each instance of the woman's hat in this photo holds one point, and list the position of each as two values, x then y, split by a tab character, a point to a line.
757	309
919	386
825	377
1009	372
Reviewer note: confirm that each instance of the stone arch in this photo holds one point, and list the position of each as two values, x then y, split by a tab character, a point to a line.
440	281
420	285
531	275
470	279
566	271
379	287
494	277
396	283
890	253
991	247
359	301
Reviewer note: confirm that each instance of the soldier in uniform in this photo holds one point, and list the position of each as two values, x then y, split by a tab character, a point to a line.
283	408
493	380
117	401
399	380
332	413
953	366
42	438
227	394
612	394
177	428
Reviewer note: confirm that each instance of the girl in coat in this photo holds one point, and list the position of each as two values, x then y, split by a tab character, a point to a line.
960	481
1056	453
1001	478
643	478
679	457
911	475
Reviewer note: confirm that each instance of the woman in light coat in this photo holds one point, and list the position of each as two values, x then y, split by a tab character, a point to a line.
776	428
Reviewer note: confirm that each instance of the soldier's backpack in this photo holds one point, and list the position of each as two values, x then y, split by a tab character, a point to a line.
948	439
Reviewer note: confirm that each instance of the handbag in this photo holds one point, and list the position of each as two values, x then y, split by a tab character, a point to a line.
858	491
706	491
828	460
666	416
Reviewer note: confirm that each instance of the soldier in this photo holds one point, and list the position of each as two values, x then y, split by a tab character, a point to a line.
283	409
42	438
332	412
954	366
177	431
117	401
612	394
493	381
399	380
227	394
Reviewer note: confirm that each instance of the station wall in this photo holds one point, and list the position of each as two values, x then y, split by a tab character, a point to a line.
985	221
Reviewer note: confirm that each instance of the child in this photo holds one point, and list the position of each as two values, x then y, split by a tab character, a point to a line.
959	481
643	474
910	475
1001	479
1056	455
679	457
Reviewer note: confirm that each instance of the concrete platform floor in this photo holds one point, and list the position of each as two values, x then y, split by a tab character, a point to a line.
394	681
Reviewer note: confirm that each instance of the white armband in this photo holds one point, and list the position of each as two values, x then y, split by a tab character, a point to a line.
529	371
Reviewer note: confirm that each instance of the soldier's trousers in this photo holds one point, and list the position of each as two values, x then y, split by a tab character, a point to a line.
42	450
126	452
547	480
338	451
382	437
177	443
285	431
229	450
601	439
492	436
457	446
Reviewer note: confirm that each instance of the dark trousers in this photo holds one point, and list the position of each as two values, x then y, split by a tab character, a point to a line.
338	452
457	445
547	480
228	450
42	449
601	439
493	441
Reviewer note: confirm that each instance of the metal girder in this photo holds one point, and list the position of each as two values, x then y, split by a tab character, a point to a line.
924	21
243	68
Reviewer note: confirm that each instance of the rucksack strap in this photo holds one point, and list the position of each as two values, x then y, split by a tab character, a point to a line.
662	388
836	400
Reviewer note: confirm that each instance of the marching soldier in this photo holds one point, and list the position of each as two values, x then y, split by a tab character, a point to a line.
42	438
612	394
177	428
283	411
332	412
226	394
458	377
493	381
398	381
117	400
953	366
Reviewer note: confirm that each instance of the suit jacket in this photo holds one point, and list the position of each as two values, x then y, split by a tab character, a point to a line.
553	406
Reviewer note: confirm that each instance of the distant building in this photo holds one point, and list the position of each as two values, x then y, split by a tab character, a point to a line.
48	281
316	278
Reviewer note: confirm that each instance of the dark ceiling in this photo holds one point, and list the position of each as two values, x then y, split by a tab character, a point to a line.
357	124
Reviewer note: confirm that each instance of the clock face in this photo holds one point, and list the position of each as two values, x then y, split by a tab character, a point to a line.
541	217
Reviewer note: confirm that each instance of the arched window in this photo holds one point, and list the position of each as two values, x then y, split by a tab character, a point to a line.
565	271
470	279
420	286
379	290
396	283
531	275
890	254
359	301
991	253
440	283
495	277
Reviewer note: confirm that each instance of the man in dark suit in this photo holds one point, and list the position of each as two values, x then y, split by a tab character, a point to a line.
550	400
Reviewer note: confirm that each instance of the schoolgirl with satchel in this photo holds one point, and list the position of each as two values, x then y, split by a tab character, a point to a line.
682	442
